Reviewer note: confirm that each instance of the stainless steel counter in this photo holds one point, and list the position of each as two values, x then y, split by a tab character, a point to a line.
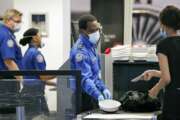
119	115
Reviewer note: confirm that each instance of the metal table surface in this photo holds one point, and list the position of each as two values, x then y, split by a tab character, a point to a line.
119	115
52	116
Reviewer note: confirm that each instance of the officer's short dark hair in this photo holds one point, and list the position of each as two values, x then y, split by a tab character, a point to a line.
83	21
27	36
170	17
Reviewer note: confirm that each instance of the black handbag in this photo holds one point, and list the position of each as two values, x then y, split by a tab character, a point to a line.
135	101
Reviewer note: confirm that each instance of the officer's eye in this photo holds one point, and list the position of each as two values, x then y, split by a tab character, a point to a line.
95	30
16	21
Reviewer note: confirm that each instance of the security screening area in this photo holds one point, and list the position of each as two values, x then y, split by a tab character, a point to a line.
89	59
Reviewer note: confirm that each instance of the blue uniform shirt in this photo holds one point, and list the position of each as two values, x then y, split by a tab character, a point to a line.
83	57
33	60
8	47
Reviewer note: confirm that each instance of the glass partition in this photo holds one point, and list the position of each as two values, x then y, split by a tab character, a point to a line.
22	101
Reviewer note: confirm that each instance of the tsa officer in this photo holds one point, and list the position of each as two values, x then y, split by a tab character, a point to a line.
10	53
84	57
33	59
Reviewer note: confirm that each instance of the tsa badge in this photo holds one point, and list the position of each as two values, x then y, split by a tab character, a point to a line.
79	57
10	43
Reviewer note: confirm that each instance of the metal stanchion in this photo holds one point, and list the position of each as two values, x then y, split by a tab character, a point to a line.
20	113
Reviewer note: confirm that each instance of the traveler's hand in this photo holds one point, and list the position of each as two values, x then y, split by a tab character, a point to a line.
148	74
107	94
153	93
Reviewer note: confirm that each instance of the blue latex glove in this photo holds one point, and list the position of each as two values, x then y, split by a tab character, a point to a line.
100	98
107	94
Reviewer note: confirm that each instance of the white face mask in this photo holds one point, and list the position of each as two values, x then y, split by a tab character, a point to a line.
94	37
17	27
42	44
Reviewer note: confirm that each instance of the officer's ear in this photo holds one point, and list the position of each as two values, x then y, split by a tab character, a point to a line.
35	38
81	30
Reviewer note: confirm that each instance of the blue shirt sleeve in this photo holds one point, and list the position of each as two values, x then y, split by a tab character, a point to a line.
100	85
7	48
99	82
87	83
39	61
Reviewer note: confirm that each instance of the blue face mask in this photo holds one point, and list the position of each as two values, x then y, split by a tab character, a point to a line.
94	37
163	33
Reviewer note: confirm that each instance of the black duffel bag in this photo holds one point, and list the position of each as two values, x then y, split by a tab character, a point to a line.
135	101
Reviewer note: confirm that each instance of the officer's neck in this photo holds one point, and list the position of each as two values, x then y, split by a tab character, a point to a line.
34	45
84	35
9	26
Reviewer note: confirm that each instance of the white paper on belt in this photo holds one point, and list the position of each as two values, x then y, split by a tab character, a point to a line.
138	116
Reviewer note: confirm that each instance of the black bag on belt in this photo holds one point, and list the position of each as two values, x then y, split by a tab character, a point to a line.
135	101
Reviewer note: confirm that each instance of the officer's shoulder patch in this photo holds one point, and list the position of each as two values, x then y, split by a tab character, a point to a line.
79	57
10	43
80	46
39	58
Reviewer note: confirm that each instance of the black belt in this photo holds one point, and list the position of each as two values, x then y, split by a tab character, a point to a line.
7	77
